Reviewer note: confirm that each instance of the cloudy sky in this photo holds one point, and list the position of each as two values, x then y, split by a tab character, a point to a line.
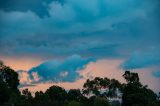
65	42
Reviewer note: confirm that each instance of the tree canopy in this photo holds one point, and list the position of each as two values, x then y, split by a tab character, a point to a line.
95	92
8	83
135	94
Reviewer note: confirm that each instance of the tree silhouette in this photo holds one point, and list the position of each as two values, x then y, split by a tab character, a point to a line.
74	95
8	83
131	77
9	76
96	85
93	86
135	94
56	94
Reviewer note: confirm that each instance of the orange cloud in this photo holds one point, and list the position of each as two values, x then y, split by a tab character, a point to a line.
21	63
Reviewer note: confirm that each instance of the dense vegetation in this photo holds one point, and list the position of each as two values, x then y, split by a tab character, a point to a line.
133	92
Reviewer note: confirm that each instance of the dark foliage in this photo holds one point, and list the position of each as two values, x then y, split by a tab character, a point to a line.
8	83
134	93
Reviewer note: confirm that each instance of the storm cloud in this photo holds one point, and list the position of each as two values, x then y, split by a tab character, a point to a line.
57	71
40	7
92	29
99	28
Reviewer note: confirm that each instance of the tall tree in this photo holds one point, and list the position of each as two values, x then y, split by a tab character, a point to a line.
135	94
97	84
8	82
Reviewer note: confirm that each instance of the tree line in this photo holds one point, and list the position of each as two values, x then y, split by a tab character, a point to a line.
95	92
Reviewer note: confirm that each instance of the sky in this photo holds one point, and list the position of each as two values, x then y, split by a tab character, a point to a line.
65	42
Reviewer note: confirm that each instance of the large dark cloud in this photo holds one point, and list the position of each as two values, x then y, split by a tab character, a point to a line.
40	7
49	30
65	71
98	28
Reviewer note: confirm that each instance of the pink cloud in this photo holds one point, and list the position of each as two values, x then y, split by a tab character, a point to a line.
102	68
24	63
